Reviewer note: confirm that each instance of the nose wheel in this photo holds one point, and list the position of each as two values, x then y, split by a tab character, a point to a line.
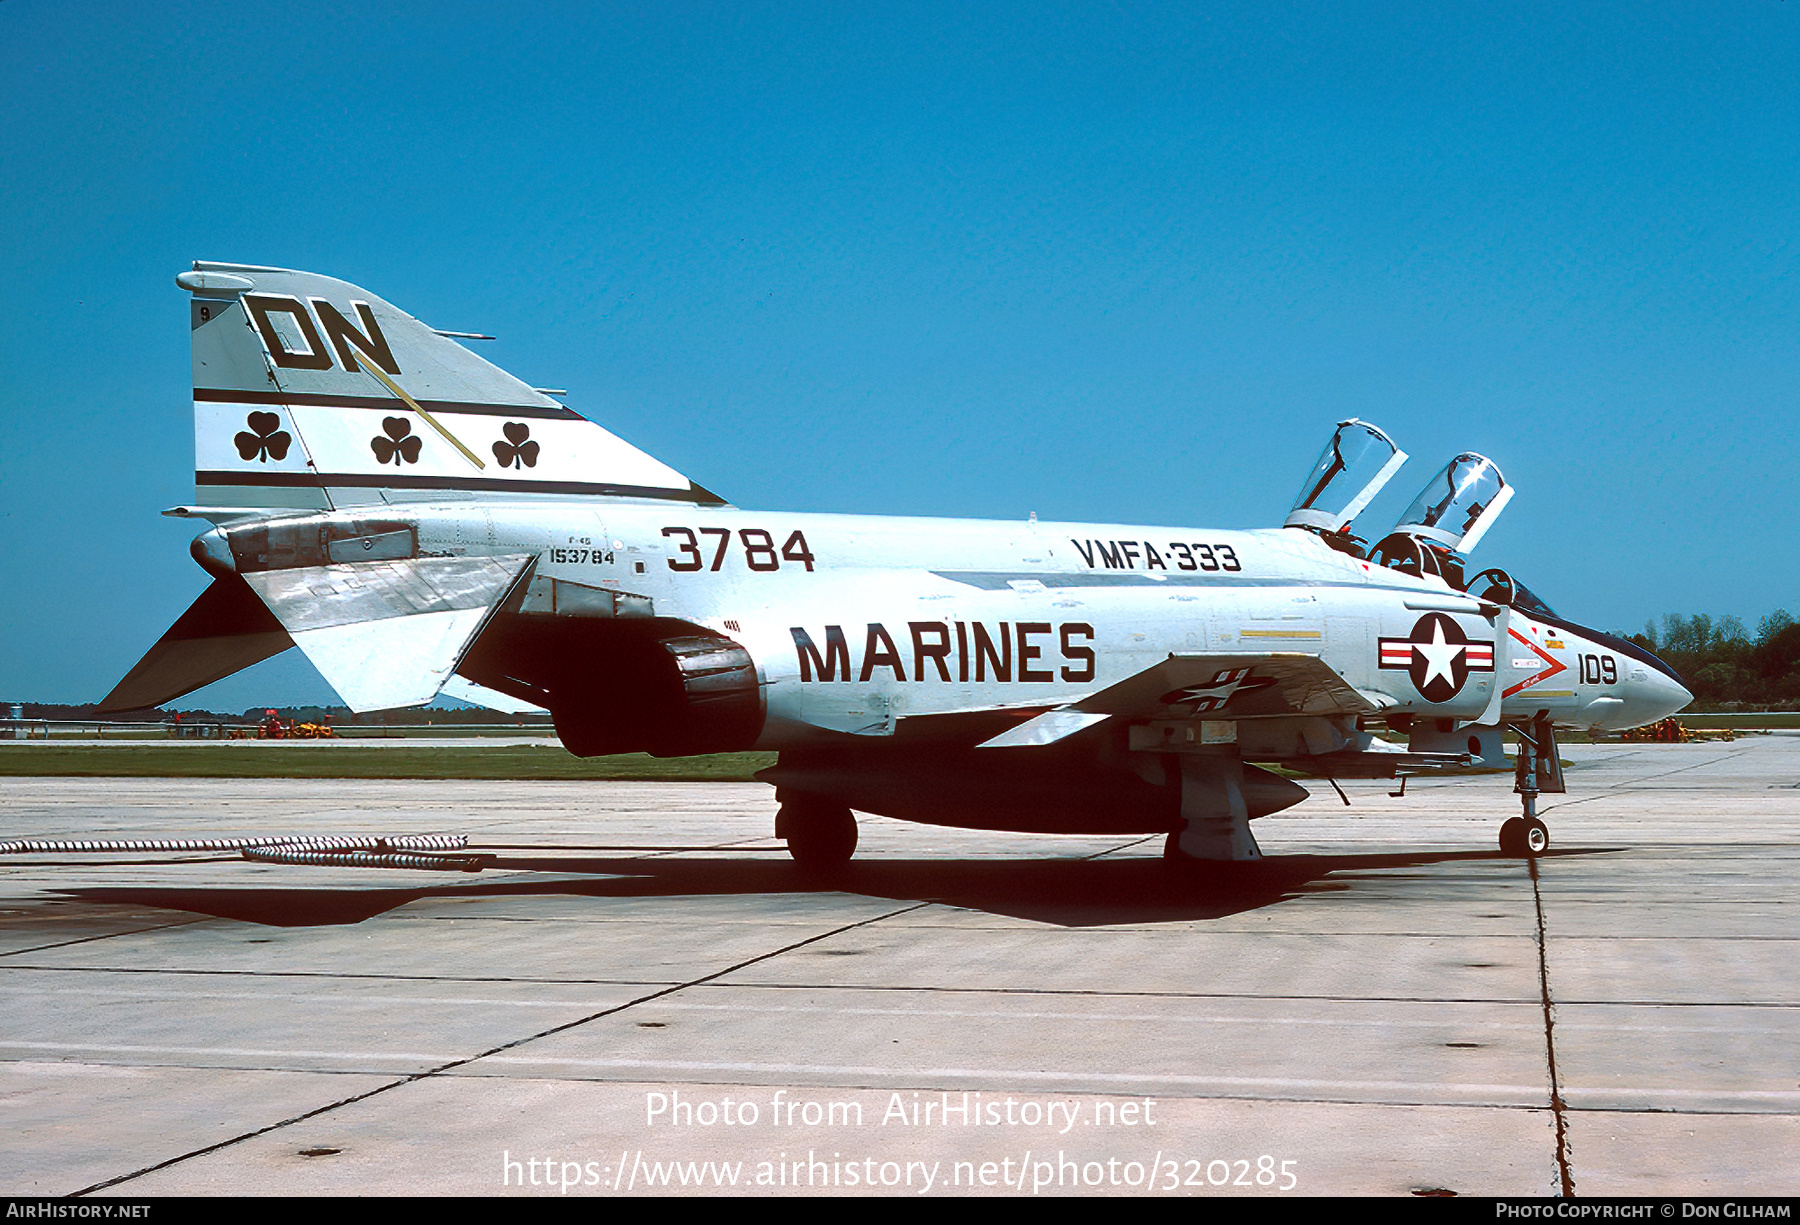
1524	837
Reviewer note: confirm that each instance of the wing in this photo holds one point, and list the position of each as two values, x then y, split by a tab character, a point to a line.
1189	686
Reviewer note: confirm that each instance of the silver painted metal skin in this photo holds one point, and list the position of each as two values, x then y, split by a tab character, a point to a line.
331	427
1294	595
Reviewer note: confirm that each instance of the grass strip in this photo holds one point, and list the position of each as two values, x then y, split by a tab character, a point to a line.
1720	720
238	760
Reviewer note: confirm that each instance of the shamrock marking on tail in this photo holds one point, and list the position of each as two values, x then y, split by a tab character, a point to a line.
400	444
264	440
517	447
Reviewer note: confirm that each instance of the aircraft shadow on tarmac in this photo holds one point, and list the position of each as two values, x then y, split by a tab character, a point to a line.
1068	893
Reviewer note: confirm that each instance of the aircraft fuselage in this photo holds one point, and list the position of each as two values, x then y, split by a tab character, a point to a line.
856	623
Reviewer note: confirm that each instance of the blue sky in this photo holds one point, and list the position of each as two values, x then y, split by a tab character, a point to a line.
1109	262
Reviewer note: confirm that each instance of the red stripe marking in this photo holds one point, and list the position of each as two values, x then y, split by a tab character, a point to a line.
1556	665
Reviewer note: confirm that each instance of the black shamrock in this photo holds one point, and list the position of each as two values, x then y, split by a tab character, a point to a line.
518	446
400	444
263	441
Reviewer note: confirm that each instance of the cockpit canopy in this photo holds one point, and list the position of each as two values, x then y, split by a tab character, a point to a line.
1355	464
1458	505
1446	520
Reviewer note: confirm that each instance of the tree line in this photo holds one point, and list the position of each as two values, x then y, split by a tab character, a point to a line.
341	716
1723	664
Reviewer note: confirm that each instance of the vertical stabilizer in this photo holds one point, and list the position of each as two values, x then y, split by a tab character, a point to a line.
312	393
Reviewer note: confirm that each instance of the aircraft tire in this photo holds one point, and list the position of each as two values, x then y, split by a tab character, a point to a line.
821	835
1512	836
1537	837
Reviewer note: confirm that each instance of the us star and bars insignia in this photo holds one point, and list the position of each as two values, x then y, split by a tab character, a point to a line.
1438	656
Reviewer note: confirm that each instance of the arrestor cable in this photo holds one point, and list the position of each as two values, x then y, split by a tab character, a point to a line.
298	842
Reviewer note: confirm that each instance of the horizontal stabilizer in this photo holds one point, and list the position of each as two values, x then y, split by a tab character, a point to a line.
1269	685
226	630
465	690
388	634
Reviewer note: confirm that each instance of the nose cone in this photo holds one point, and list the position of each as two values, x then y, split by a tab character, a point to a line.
1647	689
1655	697
1647	695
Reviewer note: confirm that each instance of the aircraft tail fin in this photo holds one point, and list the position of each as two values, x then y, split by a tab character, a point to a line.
310	393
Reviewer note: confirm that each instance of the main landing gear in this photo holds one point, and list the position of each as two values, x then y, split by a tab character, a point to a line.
1536	770
820	832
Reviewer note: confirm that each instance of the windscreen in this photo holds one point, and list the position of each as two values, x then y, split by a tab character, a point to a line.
1499	587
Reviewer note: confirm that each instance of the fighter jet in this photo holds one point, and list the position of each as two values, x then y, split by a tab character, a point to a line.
419	522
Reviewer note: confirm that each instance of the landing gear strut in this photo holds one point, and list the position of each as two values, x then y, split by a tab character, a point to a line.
820	832
1536	770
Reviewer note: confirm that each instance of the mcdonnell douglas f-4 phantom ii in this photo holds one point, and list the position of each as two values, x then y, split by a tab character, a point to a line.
419	522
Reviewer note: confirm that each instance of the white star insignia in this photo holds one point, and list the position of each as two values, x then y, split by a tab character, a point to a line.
1201	693
1438	656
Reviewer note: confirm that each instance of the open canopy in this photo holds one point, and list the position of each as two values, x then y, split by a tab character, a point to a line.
1357	461
1458	505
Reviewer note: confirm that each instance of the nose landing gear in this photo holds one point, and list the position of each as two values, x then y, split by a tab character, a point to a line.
1536	770
1523	836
